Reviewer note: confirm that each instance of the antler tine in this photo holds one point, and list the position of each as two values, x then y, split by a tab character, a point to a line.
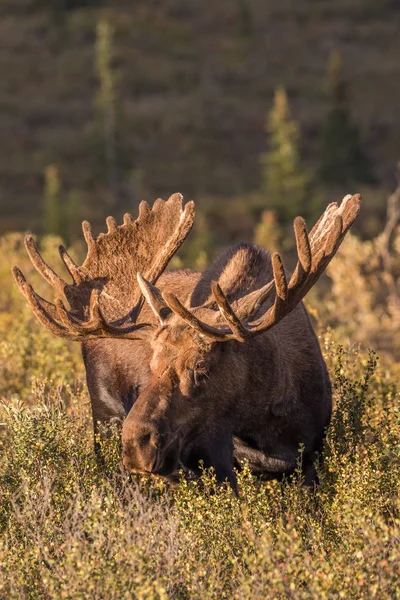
96	319
349	210
96	326
42	267
88	235
324	248
226	310
23	287
144	210
43	310
44	317
304	253
72	268
203	328
128	220
111	224
281	291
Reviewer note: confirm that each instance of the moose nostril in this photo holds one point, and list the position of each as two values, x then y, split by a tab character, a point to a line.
150	437
144	439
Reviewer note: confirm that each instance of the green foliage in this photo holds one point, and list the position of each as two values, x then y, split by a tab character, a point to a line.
343	159
286	183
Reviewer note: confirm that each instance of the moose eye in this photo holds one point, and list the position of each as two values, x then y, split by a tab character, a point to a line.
200	371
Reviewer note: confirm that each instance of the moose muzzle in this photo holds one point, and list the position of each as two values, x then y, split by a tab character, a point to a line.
149	447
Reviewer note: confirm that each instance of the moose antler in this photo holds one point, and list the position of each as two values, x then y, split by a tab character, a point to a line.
314	253
104	297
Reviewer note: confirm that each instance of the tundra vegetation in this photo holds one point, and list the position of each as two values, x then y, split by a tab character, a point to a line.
73	529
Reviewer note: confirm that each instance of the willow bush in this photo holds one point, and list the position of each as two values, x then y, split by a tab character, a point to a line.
71	529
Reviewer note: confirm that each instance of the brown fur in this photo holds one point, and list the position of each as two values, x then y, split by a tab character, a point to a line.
236	371
270	394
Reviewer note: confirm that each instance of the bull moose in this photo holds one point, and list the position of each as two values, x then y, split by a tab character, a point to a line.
216	367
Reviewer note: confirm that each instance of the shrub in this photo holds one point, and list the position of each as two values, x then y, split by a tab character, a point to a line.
72	530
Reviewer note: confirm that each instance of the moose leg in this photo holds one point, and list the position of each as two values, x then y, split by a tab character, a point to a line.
259	463
107	411
310	464
217	454
110	401
270	467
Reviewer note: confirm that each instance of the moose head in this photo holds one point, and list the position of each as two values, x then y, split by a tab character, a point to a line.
215	355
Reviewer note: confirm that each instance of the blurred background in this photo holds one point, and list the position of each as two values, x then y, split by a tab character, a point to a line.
259	111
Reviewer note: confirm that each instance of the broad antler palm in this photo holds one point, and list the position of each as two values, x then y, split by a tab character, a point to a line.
315	250
104	297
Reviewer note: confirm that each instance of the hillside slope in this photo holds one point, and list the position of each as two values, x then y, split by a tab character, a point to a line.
194	82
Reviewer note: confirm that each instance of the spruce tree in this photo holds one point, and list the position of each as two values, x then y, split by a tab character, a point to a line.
53	216
285	182
343	159
267	232
245	20
106	100
199	248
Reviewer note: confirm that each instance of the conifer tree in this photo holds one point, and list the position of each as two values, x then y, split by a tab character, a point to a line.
245	19
342	156
285	181
74	216
199	248
106	99
267	232
53	217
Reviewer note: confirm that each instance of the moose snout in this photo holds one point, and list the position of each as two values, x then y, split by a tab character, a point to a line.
143	445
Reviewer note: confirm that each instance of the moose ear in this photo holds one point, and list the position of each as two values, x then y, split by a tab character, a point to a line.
153	296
